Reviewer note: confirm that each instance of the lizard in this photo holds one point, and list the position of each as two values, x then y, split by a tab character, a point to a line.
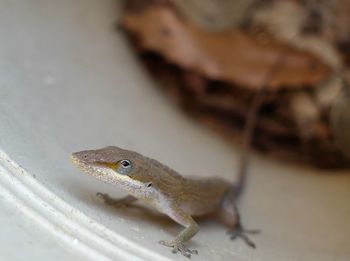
181	198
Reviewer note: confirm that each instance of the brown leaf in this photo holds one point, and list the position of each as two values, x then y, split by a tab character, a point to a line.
234	56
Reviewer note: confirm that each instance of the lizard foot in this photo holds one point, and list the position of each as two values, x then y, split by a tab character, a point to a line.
118	203
240	232
179	247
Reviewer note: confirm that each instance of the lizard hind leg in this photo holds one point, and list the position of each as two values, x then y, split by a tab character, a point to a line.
229	216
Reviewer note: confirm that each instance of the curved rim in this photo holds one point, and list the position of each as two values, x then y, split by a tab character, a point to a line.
68	224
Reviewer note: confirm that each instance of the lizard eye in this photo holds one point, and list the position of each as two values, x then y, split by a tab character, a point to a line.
124	166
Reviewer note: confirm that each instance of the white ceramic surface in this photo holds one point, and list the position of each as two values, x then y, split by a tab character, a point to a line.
69	81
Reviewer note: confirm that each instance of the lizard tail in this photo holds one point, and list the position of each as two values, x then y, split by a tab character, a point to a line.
247	138
250	125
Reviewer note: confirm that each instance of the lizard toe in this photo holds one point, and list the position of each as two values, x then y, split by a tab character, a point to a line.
239	232
179	247
102	196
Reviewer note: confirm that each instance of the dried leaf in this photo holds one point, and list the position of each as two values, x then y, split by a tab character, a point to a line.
234	56
213	77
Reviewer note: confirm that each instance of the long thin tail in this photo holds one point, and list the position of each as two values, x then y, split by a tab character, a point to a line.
247	138
250	124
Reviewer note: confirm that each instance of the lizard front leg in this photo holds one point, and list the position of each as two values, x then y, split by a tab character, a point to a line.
191	228
116	202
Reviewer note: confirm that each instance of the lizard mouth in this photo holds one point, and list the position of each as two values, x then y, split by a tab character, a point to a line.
93	169
76	161
84	166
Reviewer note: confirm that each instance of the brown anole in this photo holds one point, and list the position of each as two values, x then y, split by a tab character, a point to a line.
178	197
159	186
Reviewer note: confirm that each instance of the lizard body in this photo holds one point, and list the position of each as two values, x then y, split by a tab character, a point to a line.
159	186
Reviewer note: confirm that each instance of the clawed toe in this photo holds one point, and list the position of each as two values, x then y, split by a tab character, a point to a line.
102	196
179	247
238	231
105	198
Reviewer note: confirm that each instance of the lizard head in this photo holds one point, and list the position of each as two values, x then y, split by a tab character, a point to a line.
114	165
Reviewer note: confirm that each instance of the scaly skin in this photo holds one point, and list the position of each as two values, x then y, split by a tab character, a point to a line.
159	186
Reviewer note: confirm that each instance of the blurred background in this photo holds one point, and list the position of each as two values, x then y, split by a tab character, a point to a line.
151	76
